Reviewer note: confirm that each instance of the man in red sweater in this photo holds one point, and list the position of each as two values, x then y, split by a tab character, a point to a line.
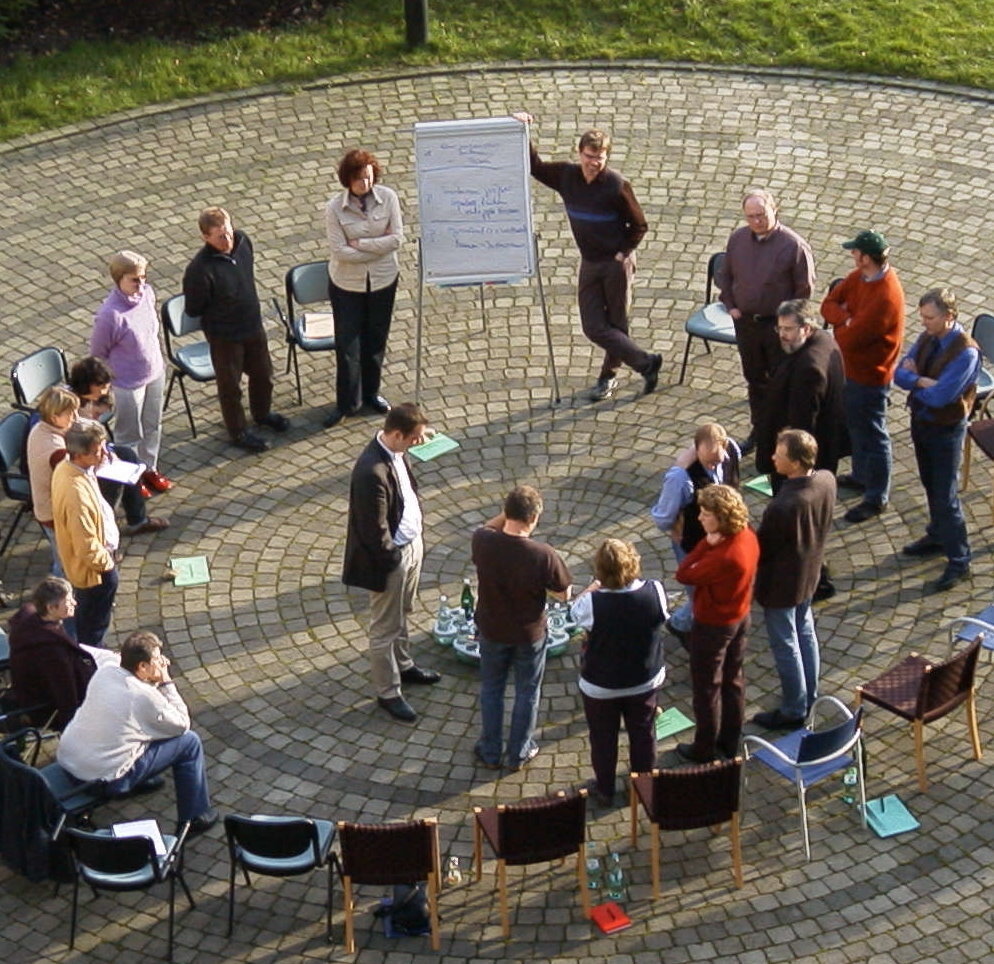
866	310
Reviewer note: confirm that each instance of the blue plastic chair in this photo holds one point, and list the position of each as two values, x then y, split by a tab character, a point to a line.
16	485
31	375
278	847
712	322
807	756
192	358
306	284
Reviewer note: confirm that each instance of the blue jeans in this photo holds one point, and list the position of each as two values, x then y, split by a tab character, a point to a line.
938	449
496	662
93	609
795	653
185	754
866	418
683	615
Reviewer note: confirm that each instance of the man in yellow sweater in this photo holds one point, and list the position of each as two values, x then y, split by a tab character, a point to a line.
85	531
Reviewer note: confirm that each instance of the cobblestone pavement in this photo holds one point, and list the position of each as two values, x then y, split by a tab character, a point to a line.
271	655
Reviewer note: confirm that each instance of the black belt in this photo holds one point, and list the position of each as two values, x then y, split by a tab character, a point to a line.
764	318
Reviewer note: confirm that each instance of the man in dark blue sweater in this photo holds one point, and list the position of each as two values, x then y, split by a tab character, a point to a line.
219	285
607	224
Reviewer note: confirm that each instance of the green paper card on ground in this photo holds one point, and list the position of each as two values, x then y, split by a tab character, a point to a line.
670	722
888	816
437	445
190	570
760	484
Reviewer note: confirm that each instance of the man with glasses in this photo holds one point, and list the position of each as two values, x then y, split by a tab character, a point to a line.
607	224
805	391
765	263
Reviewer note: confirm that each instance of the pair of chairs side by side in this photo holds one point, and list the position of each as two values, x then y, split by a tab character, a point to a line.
29	377
189	354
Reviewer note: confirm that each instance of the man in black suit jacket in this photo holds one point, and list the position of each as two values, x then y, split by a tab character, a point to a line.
384	550
804	392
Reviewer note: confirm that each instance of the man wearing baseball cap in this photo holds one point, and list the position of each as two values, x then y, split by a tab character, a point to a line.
866	310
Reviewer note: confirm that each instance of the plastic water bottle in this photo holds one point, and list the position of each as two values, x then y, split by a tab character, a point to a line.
453	875
615	877
849	780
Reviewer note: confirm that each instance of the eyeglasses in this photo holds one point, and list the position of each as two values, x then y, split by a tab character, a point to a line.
783	329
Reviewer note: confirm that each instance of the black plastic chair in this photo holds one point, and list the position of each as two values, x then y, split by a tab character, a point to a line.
306	284
278	847
35	372
192	358
712	322
16	486
121	864
37	805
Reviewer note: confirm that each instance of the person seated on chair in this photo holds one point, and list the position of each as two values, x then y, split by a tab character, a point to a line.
133	725
48	668
90	378
46	447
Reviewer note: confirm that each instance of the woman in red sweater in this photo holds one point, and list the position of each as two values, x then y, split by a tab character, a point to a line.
722	569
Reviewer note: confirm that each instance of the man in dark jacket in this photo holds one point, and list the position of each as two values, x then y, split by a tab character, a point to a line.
791	546
219	285
805	391
383	553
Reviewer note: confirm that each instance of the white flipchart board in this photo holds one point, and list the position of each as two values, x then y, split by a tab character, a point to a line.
474	198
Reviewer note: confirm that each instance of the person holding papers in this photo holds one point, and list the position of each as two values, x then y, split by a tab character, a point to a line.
365	231
132	726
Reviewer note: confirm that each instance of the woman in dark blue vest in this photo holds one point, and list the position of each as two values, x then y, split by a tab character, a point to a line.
622	662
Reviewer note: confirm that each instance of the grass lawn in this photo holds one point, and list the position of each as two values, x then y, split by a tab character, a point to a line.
946	40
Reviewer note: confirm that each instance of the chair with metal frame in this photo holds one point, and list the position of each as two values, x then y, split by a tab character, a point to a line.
712	322
31	375
922	691
980	428
38	803
306	284
531	832
808	756
190	359
389	854
16	485
122	864
687	798
278	846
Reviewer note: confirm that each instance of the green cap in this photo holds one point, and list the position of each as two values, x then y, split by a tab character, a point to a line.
869	242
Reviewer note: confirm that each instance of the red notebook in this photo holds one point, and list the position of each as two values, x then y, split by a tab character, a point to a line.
610	917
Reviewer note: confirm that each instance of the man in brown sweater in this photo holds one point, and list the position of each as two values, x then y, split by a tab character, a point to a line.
866	309
791	547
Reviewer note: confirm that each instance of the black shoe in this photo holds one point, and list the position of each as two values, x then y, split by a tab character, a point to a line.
687	752
378	404
250	442
925	546
775	720
605	800
951	577
863	511
333	418
651	374
398	708
848	481
824	590
748	445
728	751
275	421
203	823
486	764
417	675
604	388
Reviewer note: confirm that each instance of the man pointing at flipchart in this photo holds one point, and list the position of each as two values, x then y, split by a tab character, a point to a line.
607	224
